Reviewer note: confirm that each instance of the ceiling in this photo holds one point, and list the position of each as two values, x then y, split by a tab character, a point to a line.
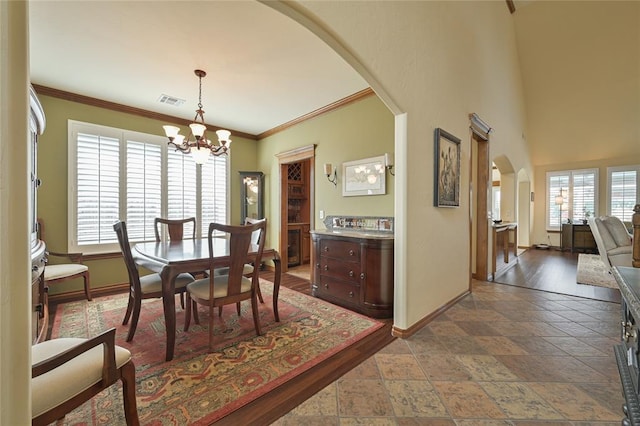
263	69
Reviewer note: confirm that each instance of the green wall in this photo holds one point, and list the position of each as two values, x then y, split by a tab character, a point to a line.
52	170
359	130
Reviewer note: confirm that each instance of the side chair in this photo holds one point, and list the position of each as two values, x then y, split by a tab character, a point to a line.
249	268
220	290
67	372
175	227
146	287
175	232
60	272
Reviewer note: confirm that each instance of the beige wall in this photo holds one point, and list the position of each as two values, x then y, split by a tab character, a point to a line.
437	62
15	256
581	63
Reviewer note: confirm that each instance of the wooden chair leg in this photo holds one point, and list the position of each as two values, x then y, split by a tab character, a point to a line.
87	286
127	314
219	311
194	307
187	314
256	317
238	308
211	328
134	319
128	376
259	292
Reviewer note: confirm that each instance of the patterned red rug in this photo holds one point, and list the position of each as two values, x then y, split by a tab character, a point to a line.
198	387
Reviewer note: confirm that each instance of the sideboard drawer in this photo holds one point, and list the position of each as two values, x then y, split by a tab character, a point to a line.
345	250
338	290
337	268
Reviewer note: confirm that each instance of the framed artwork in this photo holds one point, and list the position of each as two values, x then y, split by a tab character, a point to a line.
364	177
447	170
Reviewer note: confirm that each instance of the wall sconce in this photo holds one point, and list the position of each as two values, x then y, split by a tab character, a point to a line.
329	170
388	163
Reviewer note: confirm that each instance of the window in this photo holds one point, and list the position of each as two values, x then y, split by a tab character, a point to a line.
495	205
116	174
571	195
623	185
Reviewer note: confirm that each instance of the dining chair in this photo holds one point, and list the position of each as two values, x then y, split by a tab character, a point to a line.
220	290
67	372
146	287
175	227
249	267
71	269
175	231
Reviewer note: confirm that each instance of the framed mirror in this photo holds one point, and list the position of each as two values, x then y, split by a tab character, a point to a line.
251	195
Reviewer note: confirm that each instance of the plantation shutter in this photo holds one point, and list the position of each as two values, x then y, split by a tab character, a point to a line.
144	189
583	194
623	187
182	189
557	184
97	188
214	192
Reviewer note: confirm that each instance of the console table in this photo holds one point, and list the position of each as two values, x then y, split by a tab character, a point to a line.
577	238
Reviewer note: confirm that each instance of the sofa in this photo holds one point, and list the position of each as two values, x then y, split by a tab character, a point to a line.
613	240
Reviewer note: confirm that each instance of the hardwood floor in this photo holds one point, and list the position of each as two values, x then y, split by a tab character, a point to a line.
292	393
553	271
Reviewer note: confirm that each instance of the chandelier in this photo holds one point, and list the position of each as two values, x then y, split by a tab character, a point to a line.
200	147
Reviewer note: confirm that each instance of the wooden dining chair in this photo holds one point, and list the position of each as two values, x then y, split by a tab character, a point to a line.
220	290
67	372
175	232
175	227
249	268
70	268
146	287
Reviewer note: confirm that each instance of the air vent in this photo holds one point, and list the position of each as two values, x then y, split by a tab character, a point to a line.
170	100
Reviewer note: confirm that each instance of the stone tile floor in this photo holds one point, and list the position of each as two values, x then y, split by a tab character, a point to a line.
503	355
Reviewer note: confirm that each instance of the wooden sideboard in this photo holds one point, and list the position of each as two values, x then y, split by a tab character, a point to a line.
353	270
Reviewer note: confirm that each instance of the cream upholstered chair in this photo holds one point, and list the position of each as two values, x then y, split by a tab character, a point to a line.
67	372
59	272
613	240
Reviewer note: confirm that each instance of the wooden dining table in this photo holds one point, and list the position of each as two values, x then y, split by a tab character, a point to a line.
171	258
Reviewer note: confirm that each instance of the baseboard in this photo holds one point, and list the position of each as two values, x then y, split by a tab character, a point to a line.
72	296
403	334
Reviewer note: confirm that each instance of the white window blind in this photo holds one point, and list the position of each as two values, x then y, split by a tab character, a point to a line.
144	189
623	184
571	195
118	174
97	190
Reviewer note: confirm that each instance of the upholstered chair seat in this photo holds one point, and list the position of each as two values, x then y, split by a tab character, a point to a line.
69	371
200	288
53	272
152	283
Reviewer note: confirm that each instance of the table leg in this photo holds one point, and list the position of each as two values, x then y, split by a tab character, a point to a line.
276	284
169	304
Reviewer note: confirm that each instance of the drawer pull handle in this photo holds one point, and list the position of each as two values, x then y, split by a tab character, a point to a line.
350	273
326	248
350	252
317	266
326	267
362	276
350	294
326	286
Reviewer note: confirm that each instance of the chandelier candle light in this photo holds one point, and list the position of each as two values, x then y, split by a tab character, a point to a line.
201	147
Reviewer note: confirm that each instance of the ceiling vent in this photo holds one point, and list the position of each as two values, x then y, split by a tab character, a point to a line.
171	100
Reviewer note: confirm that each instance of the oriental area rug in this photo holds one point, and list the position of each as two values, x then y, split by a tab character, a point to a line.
592	271
198	387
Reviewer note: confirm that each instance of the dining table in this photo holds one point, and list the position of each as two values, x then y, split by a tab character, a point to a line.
171	258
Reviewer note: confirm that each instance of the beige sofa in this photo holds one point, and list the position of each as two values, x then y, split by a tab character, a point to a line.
613	240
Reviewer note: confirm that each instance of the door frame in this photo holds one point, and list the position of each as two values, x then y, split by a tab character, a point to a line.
304	153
